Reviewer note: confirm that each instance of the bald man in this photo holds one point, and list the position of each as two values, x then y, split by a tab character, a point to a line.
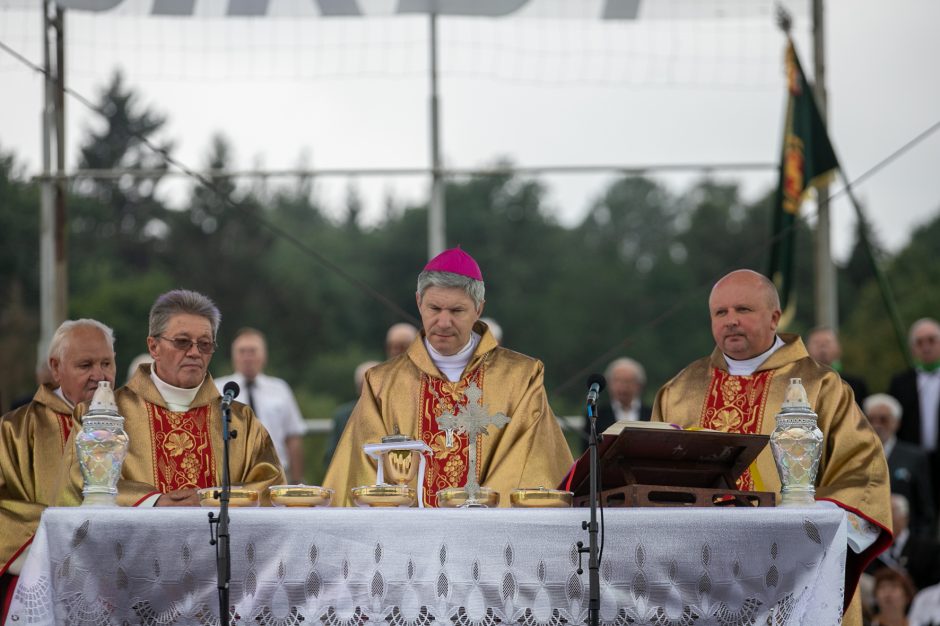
740	388
399	338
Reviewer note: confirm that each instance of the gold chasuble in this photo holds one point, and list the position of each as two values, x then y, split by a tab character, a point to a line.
408	394
171	450
853	472
31	442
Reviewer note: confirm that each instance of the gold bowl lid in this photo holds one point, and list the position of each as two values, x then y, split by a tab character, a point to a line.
384	495
540	497
454	497
300	495
239	496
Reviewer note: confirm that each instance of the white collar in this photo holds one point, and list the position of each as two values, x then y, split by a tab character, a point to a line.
58	392
177	398
746	367
452	366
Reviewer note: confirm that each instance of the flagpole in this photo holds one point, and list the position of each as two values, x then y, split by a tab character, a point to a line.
826	286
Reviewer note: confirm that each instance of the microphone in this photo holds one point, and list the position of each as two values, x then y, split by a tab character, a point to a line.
596	384
229	393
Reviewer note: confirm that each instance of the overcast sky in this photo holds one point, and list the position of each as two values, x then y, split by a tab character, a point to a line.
353	93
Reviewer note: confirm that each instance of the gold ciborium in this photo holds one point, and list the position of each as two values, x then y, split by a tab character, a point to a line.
400	466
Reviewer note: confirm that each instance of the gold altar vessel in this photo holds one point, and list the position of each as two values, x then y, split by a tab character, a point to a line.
300	495
239	496
540	497
459	497
384	495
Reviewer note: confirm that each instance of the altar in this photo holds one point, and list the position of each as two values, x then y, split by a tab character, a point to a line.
413	567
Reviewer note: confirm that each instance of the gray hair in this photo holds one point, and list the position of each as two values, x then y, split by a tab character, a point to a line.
182	301
883	399
495	328
60	338
639	369
924	321
449	280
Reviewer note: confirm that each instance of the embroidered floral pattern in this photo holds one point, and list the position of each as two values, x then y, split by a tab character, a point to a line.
735	404
181	448
448	465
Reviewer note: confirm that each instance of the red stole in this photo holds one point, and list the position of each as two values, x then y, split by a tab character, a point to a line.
182	453
65	426
447	466
735	404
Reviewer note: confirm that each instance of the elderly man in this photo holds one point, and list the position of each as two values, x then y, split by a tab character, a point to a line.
398	339
917	555
32	437
454	373
823	345
271	399
174	420
907	464
741	386
626	378
918	391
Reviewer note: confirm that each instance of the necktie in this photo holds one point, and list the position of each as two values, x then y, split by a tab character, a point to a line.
249	384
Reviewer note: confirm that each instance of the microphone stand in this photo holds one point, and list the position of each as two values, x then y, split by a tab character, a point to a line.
218	525
594	579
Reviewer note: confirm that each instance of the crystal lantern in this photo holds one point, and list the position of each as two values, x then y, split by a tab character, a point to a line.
796	444
101	446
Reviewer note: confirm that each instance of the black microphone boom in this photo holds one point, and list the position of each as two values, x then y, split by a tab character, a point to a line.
596	384
229	393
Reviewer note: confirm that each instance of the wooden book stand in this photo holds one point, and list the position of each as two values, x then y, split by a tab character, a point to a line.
645	466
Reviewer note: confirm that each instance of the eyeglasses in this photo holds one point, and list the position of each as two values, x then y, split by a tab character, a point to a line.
185	343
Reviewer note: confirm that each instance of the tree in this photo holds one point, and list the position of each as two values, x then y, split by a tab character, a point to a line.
125	217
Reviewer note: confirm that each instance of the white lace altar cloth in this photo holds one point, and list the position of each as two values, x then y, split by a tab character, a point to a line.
435	567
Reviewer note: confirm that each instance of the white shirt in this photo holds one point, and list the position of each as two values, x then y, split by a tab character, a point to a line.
925	609
274	403
452	366
928	389
629	414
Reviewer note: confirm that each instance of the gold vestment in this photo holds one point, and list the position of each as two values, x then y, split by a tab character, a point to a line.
170	450
853	472
32	438
407	394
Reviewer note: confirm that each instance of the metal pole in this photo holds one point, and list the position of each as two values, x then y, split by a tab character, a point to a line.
826	288
61	212
47	229
437	240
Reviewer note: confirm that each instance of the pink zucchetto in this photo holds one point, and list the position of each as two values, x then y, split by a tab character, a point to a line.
455	261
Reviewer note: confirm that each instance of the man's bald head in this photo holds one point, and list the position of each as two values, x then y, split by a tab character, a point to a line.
745	310
398	338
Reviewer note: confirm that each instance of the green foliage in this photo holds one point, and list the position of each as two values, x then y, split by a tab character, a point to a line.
871	347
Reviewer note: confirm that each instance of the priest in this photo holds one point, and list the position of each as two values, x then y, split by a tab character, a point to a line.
454	373
740	388
173	417
32	437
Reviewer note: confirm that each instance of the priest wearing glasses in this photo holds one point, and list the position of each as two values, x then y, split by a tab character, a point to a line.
173	417
452	375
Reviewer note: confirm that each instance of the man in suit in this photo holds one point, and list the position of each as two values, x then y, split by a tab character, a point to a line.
625	381
917	555
823	345
907	464
918	391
